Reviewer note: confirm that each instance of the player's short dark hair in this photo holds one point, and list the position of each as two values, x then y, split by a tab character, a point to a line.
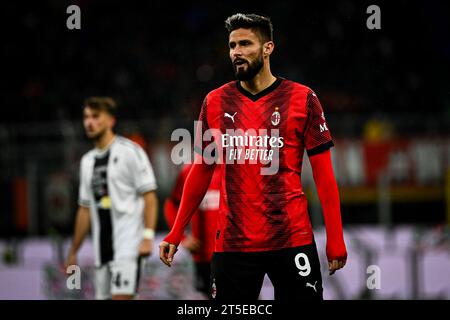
107	104
257	23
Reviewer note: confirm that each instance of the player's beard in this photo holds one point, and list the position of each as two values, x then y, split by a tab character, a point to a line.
98	136
252	69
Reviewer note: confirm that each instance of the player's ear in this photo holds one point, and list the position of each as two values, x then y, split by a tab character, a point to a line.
268	48
113	121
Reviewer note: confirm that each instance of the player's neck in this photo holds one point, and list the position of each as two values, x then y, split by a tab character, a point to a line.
261	81
105	140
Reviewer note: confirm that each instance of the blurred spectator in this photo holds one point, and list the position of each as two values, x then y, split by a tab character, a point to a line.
378	130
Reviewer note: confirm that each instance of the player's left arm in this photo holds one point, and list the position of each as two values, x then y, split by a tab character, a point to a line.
145	184
328	192
150	221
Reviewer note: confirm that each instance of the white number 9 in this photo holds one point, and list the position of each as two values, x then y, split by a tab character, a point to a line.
304	268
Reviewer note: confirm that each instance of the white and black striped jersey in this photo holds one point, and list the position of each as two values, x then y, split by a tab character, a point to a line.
112	182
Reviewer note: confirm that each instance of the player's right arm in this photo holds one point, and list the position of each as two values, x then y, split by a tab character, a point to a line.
194	190
82	222
189	242
171	206
82	226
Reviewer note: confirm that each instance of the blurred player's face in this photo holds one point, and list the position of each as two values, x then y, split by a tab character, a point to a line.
246	53
97	122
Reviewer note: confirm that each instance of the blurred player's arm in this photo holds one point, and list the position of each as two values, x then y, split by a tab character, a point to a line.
82	227
328	192
145	184
83	221
194	190
150	221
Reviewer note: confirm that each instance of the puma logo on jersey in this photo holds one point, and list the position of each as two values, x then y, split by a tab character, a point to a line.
227	115
312	286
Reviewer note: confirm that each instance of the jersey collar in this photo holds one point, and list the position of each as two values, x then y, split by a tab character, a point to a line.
261	94
101	152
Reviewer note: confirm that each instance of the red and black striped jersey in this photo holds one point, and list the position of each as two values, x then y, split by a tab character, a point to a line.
260	140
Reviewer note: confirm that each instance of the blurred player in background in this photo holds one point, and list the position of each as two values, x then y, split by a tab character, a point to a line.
263	223
117	200
200	242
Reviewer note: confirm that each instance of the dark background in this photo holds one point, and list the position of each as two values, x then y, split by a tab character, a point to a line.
147	54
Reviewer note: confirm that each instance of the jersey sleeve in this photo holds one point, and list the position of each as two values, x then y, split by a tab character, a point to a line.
83	192
317	137
328	193
142	172
172	203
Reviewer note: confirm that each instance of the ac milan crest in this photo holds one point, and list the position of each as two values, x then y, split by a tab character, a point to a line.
276	117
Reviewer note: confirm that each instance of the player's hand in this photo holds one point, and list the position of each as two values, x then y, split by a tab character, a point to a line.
335	265
145	248
166	252
191	243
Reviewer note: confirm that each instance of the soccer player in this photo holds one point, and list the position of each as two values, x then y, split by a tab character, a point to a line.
117	198
263	225
201	241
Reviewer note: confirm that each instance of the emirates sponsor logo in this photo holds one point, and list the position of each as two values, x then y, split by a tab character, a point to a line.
251	146
247	140
234	146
